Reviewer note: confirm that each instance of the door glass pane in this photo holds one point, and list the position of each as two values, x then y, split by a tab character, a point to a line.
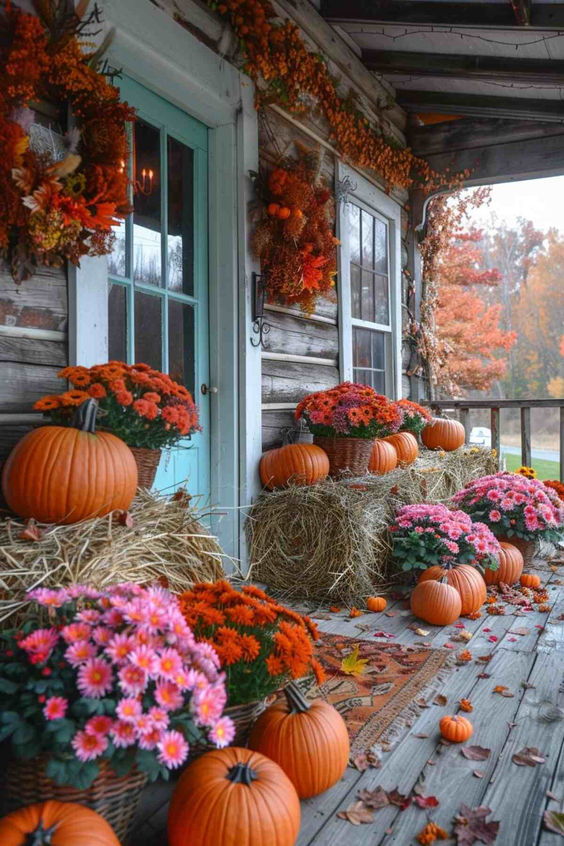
378	350
354	232
367	240
369	358
180	236
355	291
117	323
148	329
367	304
147	205
181	341
362	350
380	246
381	300
117	260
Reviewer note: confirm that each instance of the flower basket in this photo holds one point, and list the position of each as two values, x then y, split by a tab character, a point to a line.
346	455
244	717
115	798
525	547
147	461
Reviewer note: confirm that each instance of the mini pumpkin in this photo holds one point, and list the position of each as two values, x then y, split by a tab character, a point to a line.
443	433
510	566
457	729
309	740
376	603
233	797
530	580
56	823
383	458
436	602
297	464
64	474
405	445
466	579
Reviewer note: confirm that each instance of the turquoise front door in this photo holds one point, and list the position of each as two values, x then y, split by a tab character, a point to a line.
158	271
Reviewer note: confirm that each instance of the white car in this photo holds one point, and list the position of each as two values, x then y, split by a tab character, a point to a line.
481	436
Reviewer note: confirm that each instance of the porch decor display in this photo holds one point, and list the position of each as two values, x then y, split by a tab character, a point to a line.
415	416
294	237
296	464
61	198
510	566
110	690
405	445
443	433
233	797
309	740
64	474
457	729
376	603
383	458
345	420
467	580
436	602
56	823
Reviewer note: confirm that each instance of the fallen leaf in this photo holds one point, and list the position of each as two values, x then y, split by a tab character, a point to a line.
334	608
352	665
126	519
357	813
475	753
493	638
374	799
32	531
440	699
390	614
504	690
383	634
522	630
421	632
426	801
459	625
484	676
552	795
422	703
485	659
430	833
512	639
529	756
367	759
527	685
471	825
397	798
554	821
485	629
421	736
355	612
478	773
465	705
511	725
449	646
321	617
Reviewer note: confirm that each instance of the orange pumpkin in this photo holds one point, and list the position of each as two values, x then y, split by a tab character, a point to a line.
71	825
456	729
383	457
309	740
376	603
510	566
405	445
63	474
529	580
436	602
443	433
299	464
235	797
467	580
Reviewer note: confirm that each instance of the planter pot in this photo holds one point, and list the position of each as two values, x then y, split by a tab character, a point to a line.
147	461
115	798
346	455
525	547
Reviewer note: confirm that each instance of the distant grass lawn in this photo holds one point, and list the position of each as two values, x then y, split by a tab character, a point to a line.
545	469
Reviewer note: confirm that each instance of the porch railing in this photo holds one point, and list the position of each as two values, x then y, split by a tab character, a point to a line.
463	408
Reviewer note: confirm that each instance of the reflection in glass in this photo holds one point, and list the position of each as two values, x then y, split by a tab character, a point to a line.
354	232
367	240
117	260
117	323
147	207
356	310
148	329
381	300
380	246
369	358
181	344
180	236
367	304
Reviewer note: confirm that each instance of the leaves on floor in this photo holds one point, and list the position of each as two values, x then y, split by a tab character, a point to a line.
367	759
352	665
476	753
470	825
530	756
554	821
356	813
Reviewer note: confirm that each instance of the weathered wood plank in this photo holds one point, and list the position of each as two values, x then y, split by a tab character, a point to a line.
22	384
40	302
32	351
301	337
274	424
289	381
324	307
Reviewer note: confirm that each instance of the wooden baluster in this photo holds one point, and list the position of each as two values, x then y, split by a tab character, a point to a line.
562	444
526	436
463	416
495	415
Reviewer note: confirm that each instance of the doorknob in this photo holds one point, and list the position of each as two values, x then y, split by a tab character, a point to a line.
207	390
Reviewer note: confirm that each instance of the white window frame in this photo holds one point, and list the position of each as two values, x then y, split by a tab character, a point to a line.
365	194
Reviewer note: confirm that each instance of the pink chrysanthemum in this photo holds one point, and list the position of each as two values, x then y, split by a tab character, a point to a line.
100	724
123	734
132	680
95	678
76	631
119	647
55	708
78	653
89	615
159	717
146	658
168	696
173	749
89	746
102	635
223	732
169	663
208	704
50	598
495	515
39	644
128	710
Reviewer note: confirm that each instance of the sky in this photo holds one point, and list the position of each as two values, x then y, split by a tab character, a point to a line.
539	200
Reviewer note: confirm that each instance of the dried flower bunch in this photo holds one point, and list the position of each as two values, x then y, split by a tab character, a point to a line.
425	535
294	237
142	406
415	416
261	644
117	676
57	207
513	506
350	411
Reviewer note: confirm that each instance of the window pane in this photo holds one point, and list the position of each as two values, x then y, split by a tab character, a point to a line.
362	348
378	350
353	215
380	246
181	343
369	358
367	303
148	329
367	240
381	300
147	205
117	323
180	243
355	291
117	263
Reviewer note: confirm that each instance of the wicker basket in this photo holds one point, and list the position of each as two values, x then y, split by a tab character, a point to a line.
346	455
525	547
115	798
244	717
147	461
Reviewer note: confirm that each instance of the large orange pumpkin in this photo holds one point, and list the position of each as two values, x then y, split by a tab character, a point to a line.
298	464
309	740
63	474
405	445
436	602
466	580
510	566
233	797
383	457
69	824
443	433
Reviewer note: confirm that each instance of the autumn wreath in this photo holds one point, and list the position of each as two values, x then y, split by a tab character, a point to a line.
60	195
294	238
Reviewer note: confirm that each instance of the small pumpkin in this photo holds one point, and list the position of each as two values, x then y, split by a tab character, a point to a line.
405	445
457	729
298	464
443	433
383	458
466	579
309	740
235	797
376	603
58	824
529	580
436	602
510	566
64	474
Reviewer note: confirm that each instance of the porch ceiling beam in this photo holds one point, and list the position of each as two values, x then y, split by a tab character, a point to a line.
518	108
481	68
515	13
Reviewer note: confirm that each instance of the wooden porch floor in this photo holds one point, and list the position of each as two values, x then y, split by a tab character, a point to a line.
531	666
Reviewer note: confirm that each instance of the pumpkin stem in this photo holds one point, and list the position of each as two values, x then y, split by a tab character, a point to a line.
296	700
242	774
40	836
85	416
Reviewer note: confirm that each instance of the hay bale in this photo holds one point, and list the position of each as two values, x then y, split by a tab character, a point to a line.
164	539
330	542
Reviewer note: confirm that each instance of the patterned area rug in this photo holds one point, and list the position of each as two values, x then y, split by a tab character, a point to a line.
378	703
